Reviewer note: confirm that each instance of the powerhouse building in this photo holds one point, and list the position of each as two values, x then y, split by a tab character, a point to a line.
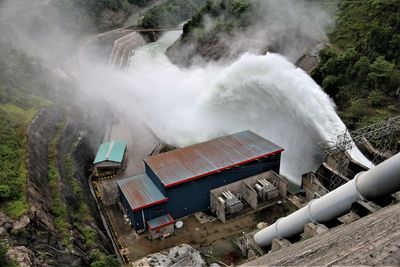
178	183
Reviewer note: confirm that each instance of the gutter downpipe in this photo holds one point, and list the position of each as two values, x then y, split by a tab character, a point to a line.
383	179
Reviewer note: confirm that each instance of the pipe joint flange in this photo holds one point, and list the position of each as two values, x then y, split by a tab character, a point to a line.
276	228
310	216
359	195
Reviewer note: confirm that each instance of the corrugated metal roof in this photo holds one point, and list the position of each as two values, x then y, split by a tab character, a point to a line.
110	151
140	192
160	221
192	162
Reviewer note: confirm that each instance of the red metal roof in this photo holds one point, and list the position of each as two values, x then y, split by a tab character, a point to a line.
161	221
140	192
199	160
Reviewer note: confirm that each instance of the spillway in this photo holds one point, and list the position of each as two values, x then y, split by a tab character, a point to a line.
263	93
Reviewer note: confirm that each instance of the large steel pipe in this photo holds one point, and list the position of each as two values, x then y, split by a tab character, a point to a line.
383	179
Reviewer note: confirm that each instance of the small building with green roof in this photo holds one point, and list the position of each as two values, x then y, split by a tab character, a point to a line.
110	155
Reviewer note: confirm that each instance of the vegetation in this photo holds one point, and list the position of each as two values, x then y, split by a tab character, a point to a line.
229	15
67	218
170	13
26	86
360	70
207	34
12	152
59	208
21	89
101	260
85	16
4	261
82	16
139	2
81	216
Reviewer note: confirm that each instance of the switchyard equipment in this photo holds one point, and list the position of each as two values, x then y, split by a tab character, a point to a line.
224	200
232	203
381	180
184	177
266	190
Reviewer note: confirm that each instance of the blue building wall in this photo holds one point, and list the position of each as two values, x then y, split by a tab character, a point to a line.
194	196
148	213
154	178
126	205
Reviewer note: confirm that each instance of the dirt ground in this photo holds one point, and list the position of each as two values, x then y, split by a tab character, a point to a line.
213	238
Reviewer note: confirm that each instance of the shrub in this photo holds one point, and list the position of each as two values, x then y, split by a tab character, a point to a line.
376	99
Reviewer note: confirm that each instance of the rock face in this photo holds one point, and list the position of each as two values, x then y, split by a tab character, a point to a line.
224	30
40	133
22	255
5	224
186	52
34	238
4	219
110	19
20	224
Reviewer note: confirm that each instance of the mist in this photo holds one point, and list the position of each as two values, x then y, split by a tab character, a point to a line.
264	93
289	27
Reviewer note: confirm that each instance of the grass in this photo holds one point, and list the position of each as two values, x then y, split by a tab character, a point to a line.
65	218
13	150
16	208
82	217
90	236
59	208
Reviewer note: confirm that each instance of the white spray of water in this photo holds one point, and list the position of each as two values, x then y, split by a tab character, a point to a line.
266	94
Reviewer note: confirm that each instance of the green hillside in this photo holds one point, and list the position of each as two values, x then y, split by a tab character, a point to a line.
360	68
22	87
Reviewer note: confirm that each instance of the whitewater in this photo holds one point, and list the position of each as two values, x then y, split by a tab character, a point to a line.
266	94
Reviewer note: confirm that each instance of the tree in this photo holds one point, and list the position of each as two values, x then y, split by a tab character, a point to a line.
376	99
383	75
362	68
107	261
